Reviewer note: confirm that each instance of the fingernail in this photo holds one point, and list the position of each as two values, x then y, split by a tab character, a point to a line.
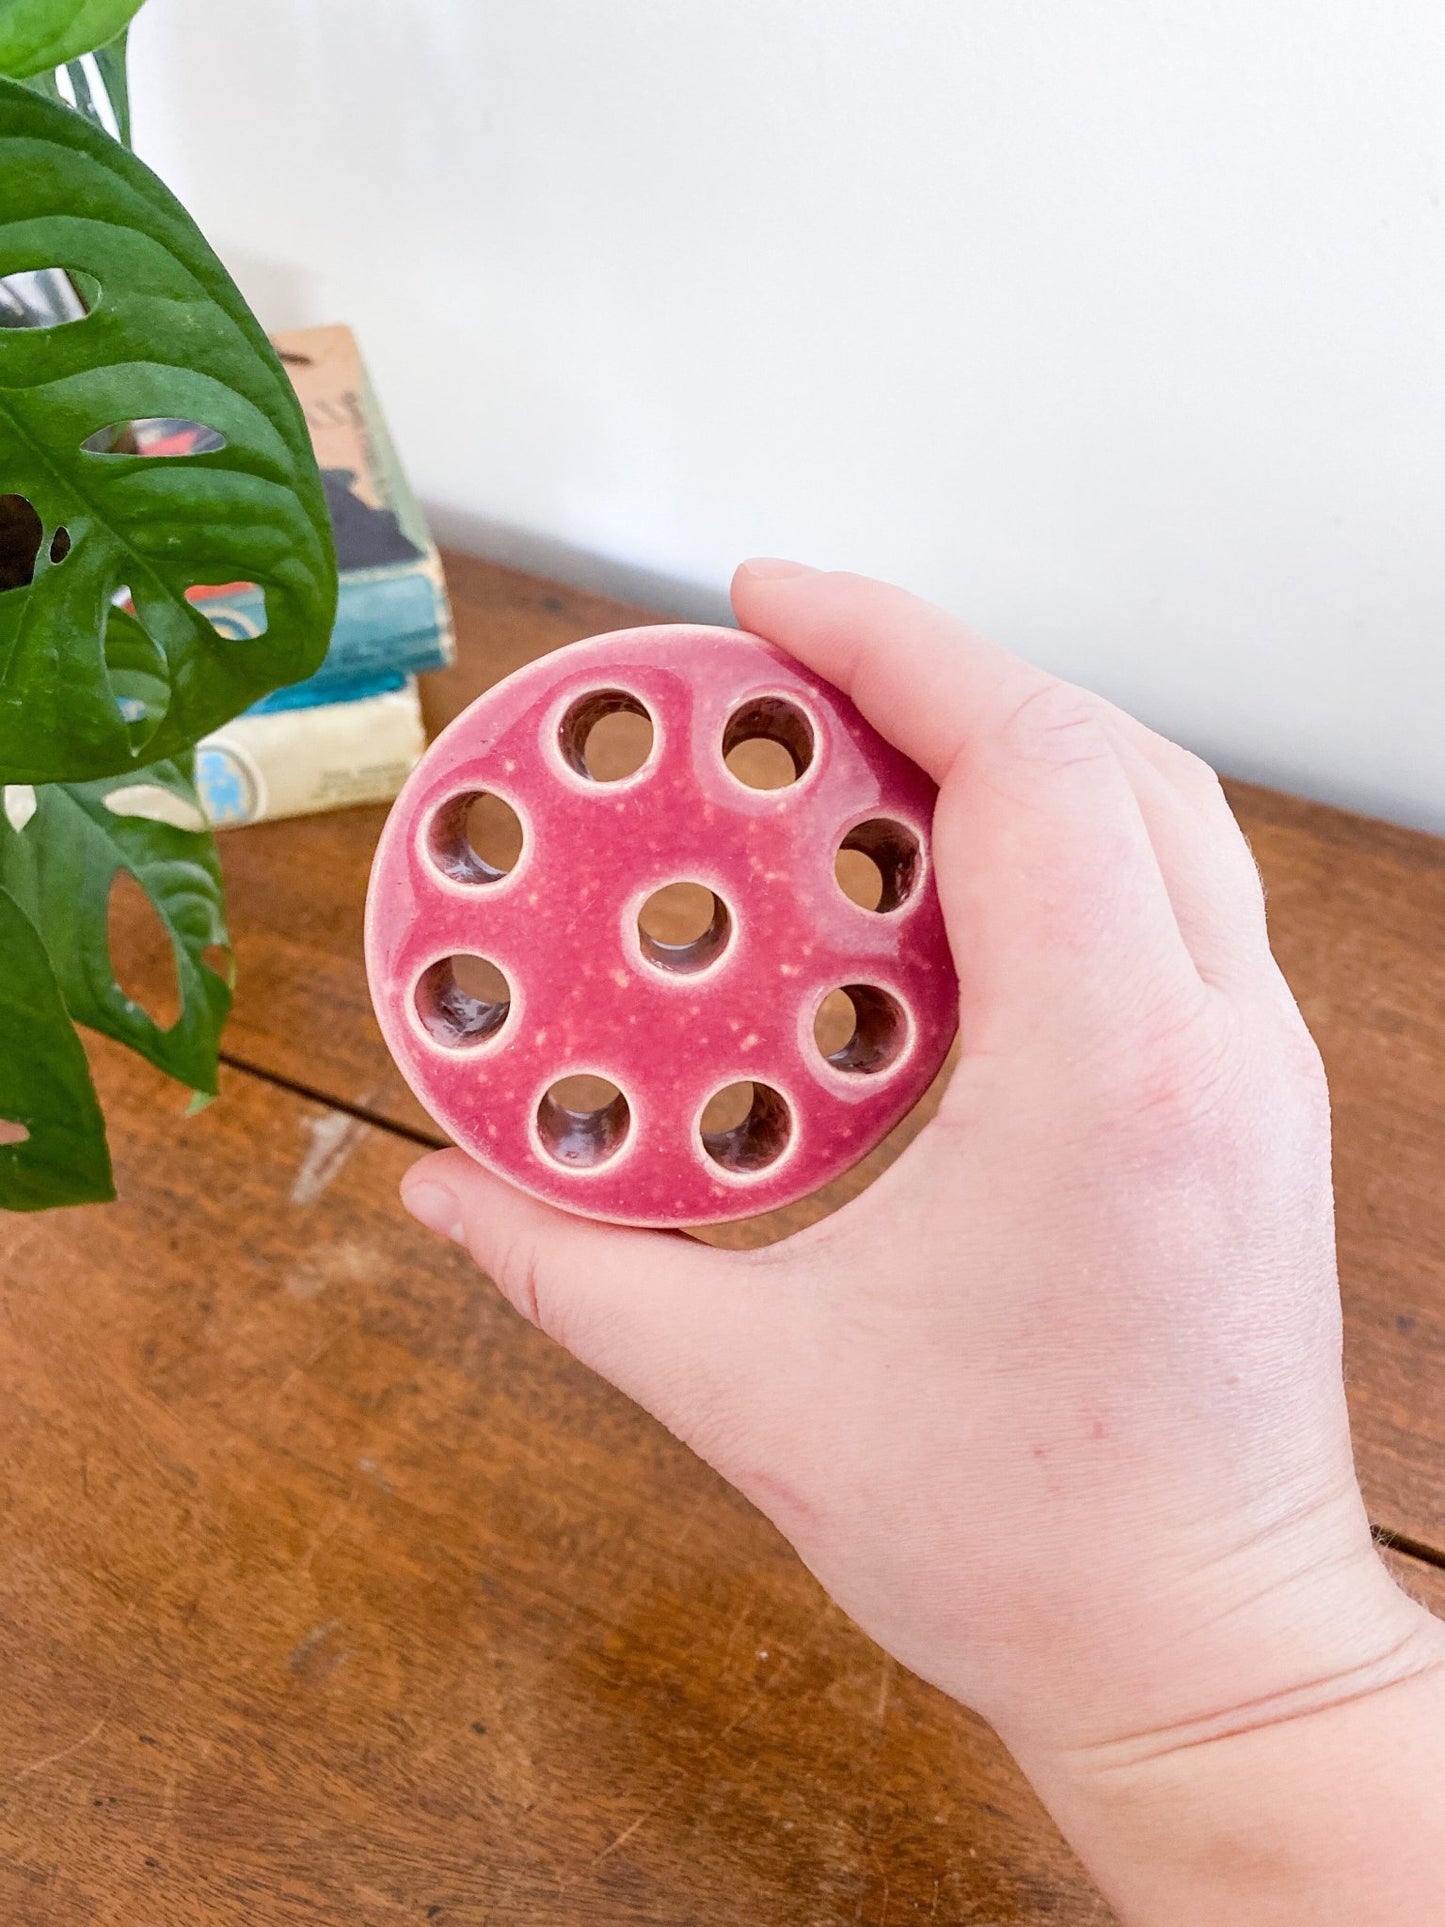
775	568
436	1208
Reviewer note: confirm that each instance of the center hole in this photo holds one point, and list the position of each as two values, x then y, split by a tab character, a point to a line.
606	735
768	743
463	999
583	1119
683	926
745	1126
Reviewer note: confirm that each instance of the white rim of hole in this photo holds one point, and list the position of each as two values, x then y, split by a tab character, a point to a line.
444	843
770	716
600	1137
460	1023
570	723
706	1145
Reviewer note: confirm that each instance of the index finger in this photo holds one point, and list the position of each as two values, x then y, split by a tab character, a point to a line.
1057	910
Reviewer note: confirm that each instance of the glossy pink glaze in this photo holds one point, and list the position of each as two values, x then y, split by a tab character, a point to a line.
562	926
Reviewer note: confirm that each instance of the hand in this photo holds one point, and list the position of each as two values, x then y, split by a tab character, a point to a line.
1054	1409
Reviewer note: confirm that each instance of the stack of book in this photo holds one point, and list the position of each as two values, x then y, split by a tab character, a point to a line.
352	732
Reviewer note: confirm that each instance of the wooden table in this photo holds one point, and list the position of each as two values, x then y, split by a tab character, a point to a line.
330	1592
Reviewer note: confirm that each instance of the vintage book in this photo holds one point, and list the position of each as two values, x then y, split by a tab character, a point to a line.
392	614
326	756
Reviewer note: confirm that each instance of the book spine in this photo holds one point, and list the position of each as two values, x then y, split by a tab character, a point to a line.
298	761
310	694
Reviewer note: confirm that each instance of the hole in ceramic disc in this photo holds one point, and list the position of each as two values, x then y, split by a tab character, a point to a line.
860	1028
834	1023
877	864
768	743
683	926
758	1132
476	838
606	735
463	999
583	1119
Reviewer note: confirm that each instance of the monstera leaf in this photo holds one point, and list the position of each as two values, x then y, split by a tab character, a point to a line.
52	1136
37	34
105	664
61	848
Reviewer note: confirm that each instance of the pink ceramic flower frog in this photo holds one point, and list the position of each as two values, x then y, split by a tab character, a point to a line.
548	999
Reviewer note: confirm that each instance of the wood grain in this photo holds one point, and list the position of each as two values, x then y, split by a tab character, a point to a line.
330	1591
1358	914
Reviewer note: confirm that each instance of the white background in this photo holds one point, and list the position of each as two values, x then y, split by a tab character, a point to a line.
1117	326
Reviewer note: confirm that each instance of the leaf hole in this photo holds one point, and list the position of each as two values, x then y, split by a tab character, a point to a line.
136	665
47	297
155	435
877	865
216	958
142	957
60	544
683	927
21	534
606	735
463	1000
13	1133
745	1126
860	1028
768	743
583	1119
155	805
476	838
235	610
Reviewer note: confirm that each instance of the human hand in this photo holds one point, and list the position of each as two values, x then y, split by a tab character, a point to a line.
1054	1409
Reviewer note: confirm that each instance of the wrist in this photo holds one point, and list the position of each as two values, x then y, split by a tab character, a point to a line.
1323	1802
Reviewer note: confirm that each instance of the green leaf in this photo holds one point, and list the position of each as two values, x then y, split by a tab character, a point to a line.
61	866
35	34
169	336
45	1085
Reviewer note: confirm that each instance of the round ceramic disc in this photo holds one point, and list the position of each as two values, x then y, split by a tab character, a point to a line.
717	1050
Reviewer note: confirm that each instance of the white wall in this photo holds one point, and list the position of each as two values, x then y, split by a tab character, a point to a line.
1116	325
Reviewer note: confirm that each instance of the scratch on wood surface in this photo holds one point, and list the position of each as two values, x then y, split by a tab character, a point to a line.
298	1371
64	1753
623	1837
312	1658
885	1685
749	1706
334	1136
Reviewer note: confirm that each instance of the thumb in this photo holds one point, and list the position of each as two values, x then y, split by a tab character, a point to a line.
687	1331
